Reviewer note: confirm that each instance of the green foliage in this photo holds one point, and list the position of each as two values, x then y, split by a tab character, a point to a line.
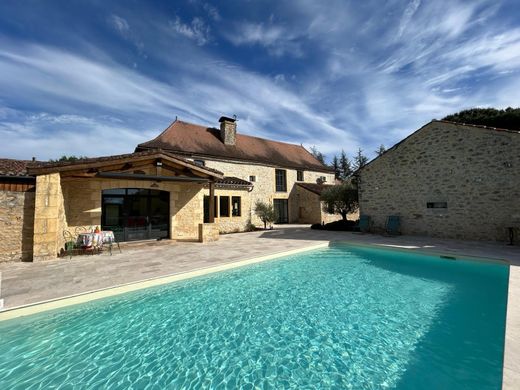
505	119
266	212
341	199
68	158
360	160
345	166
335	166
380	150
317	154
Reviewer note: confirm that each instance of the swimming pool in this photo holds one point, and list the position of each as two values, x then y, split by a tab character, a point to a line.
340	317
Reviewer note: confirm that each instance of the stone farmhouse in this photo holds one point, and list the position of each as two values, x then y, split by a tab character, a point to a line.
189	183
447	180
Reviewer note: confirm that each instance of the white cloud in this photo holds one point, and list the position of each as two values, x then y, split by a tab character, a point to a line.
275	38
58	81
197	30
408	15
212	11
120	24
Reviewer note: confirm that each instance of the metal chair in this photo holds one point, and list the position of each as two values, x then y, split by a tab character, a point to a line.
393	225
71	243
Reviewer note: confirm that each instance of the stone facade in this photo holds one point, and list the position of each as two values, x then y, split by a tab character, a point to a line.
308	208
264	187
49	217
83	203
233	224
16	225
447	180
208	232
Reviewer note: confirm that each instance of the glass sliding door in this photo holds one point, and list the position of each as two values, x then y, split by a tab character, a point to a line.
281	207
136	214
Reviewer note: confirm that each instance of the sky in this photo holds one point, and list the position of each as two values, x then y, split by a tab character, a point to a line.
96	78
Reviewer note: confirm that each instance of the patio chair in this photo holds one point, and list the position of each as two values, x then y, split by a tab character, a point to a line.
71	243
363	224
393	225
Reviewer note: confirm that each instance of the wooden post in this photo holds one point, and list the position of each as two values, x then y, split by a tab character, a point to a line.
211	202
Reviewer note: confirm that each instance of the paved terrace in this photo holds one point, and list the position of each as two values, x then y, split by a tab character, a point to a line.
28	283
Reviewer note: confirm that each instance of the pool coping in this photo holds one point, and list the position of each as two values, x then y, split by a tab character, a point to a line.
511	368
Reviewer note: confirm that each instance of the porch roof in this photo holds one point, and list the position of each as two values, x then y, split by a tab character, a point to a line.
122	161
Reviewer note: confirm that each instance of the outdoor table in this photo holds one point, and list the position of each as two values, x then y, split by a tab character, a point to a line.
89	240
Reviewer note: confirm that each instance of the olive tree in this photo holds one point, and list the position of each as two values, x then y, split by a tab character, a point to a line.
341	199
266	212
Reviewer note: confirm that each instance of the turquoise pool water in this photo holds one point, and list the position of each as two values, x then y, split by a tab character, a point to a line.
341	317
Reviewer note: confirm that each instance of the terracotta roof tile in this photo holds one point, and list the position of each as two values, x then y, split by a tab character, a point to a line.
115	158
233	181
59	164
190	139
11	167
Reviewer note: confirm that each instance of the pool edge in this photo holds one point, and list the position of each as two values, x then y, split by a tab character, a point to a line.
70	300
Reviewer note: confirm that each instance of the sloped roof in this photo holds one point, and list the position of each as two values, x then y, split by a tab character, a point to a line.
314	187
11	167
42	167
190	139
233	181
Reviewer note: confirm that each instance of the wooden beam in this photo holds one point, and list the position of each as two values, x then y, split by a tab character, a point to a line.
211	202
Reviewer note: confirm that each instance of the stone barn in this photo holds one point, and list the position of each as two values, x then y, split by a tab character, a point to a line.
447	180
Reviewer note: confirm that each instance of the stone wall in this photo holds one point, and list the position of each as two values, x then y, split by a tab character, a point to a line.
16	225
84	197
233	224
475	171
208	232
307	208
49	217
264	188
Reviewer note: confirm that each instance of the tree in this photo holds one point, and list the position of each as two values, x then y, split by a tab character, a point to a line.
266	212
506	119
360	160
68	158
380	150
345	166
317	154
341	199
335	166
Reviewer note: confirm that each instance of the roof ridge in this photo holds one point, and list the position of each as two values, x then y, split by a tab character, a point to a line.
238	134
475	125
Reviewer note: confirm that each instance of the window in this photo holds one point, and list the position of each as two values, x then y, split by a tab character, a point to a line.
252	179
323	179
236	206
437	205
199	162
299	175
281	180
206	208
224	206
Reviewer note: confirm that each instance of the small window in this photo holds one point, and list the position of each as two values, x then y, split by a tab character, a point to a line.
252	179
323	179
281	180
437	205
200	163
236	206
224	206
299	175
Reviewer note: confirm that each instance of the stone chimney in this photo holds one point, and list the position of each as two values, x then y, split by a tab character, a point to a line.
228	130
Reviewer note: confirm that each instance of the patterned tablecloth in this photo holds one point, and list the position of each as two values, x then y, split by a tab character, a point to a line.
89	240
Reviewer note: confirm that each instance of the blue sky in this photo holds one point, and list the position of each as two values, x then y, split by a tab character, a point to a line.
98	77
